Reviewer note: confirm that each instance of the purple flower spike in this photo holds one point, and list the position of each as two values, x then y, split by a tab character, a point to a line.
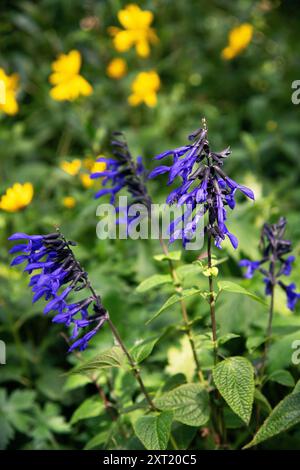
202	182
122	172
274	249
59	275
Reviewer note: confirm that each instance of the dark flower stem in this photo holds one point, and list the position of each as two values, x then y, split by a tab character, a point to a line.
184	313
116	335
270	319
135	369
212	301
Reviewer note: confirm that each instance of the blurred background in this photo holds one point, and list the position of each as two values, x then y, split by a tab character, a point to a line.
152	76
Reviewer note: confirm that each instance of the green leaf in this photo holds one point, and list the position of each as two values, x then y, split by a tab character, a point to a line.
153	281
188	402
88	409
6	432
253	342
97	440
154	431
173	300
172	255
229	286
143	349
76	381
234	378
113	357
285	415
283	377
281	351
297	387
188	270
262	400
227	337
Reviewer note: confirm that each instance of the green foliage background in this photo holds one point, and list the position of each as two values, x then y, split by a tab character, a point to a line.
247	104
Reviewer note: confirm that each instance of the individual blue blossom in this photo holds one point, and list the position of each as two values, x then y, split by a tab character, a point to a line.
251	266
59	275
202	182
291	294
274	264
122	172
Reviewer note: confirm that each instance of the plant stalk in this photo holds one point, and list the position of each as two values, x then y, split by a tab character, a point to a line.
212	302
135	369
184	313
270	320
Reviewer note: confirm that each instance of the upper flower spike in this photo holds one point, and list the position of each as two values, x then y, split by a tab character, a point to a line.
202	181
274	247
59	275
123	172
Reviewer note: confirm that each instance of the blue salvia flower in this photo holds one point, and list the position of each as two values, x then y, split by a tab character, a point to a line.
122	172
274	250
202	182
60	274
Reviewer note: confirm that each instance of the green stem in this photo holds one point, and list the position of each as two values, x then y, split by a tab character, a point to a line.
269	326
212	302
116	334
133	365
185	317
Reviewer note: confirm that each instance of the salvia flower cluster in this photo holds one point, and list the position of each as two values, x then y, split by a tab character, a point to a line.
55	275
204	188
274	263
122	172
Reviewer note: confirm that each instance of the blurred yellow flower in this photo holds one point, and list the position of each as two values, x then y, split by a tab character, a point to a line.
98	167
69	202
17	197
69	84
9	85
238	40
136	32
72	168
144	89
117	68
86	180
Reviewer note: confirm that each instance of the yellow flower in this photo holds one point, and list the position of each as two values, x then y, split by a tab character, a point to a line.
69	202
72	168
17	197
8	91
98	167
86	180
238	40
117	68
144	89
69	84
136	32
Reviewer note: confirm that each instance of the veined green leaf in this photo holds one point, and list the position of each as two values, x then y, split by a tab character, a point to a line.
189	404
113	357
234	378
285	415
154	431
